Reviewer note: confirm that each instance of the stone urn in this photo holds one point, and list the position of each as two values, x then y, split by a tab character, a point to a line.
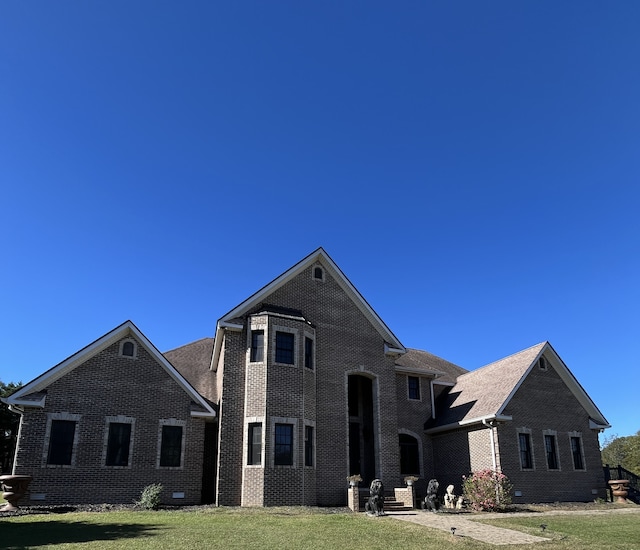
13	489
619	488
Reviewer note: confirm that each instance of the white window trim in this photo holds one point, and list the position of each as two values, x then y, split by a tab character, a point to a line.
47	439
296	344
171	422
554	434
533	454
584	462
135	348
419	388
105	444
272	438
247	421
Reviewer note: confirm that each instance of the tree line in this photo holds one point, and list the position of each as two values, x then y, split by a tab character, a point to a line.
622	451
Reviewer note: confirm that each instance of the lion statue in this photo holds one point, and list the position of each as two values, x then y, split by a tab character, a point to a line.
431	501
375	504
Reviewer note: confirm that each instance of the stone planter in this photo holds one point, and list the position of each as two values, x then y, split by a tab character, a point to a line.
14	487
619	488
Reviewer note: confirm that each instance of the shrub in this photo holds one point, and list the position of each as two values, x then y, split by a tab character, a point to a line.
487	490
150	497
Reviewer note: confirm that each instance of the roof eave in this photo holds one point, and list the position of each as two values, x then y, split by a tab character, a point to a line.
400	369
469	422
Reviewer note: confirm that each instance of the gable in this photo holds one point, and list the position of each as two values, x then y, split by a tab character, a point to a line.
485	394
33	394
320	259
301	274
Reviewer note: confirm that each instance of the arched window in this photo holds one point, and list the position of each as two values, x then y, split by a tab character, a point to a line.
318	273
128	348
409	455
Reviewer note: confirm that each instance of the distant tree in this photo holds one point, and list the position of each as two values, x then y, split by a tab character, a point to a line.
9	423
622	451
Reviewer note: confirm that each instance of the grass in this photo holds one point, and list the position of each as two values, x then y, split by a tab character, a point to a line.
289	528
587	532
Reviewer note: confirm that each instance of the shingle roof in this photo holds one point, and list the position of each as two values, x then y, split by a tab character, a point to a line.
423	360
483	392
193	361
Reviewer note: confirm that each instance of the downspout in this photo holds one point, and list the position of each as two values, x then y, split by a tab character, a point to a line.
489	424
433	400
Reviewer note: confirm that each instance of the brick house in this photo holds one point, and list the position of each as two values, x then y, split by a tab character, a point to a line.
302	385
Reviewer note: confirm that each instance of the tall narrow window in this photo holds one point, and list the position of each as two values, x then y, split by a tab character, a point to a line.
61	442
257	346
526	456
318	273
283	448
308	352
576	452
118	444
409	455
308	445
550	448
285	348
414	387
254	452
171	447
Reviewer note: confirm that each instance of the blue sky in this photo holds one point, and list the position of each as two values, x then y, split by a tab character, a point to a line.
471	166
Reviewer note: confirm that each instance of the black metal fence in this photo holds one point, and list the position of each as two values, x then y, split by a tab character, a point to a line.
618	472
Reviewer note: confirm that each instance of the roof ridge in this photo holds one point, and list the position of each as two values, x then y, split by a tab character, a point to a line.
188	344
504	358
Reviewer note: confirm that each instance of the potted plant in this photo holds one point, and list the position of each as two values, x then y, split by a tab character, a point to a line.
410	480
354	479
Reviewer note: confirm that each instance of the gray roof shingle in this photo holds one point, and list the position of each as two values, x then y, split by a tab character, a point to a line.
193	361
418	359
483	392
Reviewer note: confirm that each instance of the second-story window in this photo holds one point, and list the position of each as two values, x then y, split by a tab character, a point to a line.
257	346
285	345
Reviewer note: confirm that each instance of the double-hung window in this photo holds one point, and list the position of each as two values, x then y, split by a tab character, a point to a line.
414	387
285	346
171	446
118	444
283	445
308	352
308	445
526	455
61	438
552	454
576	453
254	451
257	346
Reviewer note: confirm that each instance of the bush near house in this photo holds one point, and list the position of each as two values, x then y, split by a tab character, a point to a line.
487	490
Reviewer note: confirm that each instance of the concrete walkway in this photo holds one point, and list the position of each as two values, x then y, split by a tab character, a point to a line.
466	527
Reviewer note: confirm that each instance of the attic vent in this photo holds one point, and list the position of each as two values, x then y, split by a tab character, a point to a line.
128	348
542	363
318	273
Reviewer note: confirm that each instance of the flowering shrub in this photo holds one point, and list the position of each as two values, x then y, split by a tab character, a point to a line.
487	490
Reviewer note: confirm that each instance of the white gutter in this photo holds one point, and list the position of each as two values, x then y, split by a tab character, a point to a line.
217	346
463	423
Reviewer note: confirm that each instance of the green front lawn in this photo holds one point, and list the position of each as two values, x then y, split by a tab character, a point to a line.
593	531
288	528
